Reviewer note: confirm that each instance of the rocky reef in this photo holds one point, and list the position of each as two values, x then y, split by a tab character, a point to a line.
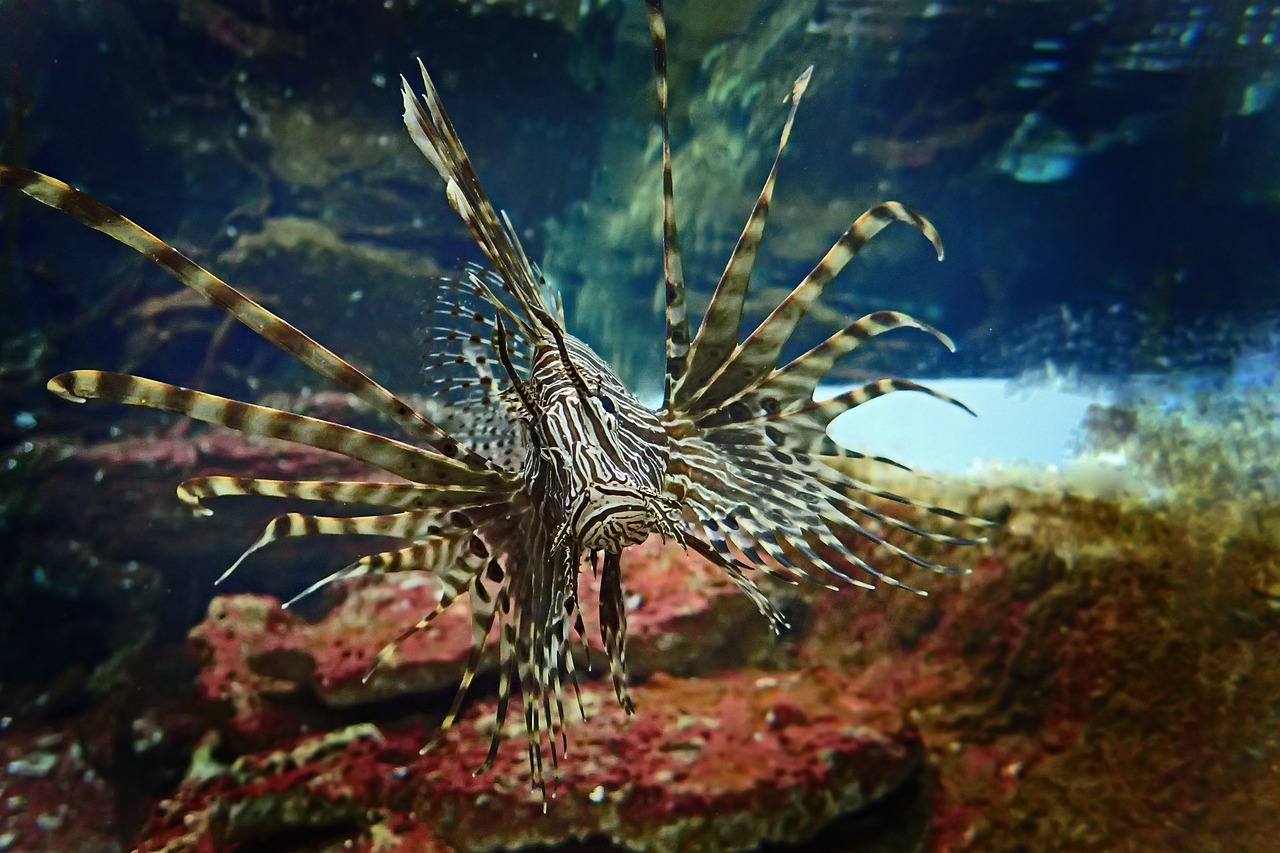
1100	681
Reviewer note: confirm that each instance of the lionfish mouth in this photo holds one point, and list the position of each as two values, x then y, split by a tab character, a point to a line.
607	519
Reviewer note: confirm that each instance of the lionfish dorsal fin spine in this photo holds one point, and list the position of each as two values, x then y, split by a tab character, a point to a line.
672	266
797	380
434	135
475	277
718	333
501	346
758	354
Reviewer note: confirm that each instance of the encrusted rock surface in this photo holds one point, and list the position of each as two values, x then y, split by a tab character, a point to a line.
1101	680
716	763
51	797
685	617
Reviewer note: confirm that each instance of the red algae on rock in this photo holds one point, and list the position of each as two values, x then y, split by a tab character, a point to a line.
52	797
260	661
1101	681
716	763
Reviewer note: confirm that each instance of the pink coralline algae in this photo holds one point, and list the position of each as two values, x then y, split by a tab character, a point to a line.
717	763
51	797
685	617
1102	680
723	761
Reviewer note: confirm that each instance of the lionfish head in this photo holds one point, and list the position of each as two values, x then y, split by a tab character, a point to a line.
602	456
608	516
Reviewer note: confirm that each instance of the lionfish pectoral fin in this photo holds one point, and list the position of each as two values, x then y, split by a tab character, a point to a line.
398	525
845	476
405	460
777	622
507	627
760	536
63	386
359	568
613	627
419	557
577	690
388	651
194	490
677	348
485	591
871	536
827	538
385	654
847	504
94	214
230	570
803	552
191	493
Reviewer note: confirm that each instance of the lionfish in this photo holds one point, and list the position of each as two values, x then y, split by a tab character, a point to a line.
550	459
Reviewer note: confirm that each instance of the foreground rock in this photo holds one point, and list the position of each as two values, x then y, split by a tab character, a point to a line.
1103	680
709	764
266	667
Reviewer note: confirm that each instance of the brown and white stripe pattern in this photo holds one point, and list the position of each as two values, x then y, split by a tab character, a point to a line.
718	333
758	354
96	215
546	460
405	496
672	266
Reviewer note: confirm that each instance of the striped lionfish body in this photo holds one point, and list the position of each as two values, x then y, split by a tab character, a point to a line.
547	461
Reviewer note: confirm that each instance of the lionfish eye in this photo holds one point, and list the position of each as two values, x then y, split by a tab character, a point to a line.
606	403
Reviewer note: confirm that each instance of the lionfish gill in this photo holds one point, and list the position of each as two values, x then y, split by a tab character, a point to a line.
549	461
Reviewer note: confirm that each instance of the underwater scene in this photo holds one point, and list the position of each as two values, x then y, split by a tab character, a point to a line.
466	459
